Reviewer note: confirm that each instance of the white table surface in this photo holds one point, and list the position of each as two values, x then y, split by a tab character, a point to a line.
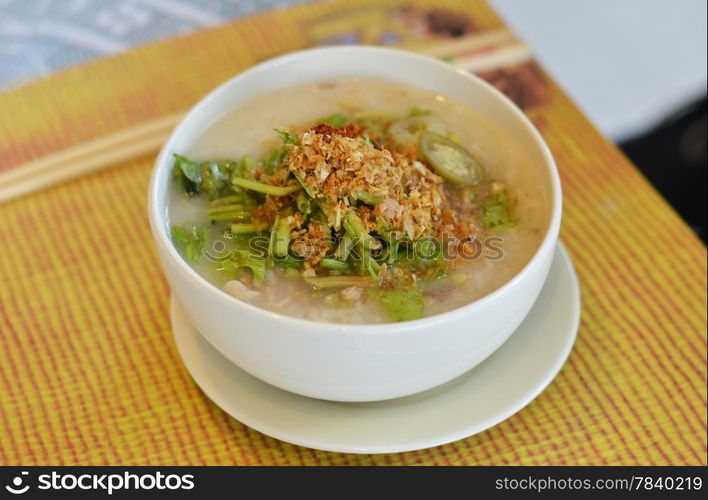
628	63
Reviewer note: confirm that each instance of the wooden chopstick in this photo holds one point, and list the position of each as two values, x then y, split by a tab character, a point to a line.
479	52
509	55
463	45
87	157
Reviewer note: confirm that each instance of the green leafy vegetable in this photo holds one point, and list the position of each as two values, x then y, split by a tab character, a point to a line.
416	111
227	200
190	173
287	137
229	212
215	177
439	273
292	272
273	158
246	259
273	236
369	265
262	187
281	236
375	114
390	253
246	228
210	178
346	245
308	190
304	206
354	227
229	216
189	241
330	263
226	208
400	305
245	167
428	250
336	120
368	198
290	262
496	212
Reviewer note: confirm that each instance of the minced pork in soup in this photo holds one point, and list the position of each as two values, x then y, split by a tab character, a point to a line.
356	201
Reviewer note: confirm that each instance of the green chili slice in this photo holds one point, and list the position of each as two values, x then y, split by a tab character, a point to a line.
450	160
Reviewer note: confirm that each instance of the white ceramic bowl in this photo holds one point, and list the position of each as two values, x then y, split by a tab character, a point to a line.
354	362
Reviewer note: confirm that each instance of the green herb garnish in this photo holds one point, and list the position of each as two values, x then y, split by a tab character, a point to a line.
190	173
358	205
336	120
189	241
287	137
273	159
262	187
496	212
246	259
416	111
400	305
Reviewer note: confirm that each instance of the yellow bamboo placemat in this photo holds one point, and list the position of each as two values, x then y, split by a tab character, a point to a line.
88	370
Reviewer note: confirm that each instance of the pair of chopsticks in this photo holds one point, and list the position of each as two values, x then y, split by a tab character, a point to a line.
478	52
87	157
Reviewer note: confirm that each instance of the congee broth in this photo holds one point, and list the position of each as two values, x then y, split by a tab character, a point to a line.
356	201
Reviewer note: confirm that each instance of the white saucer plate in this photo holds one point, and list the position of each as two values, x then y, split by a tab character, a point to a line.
489	393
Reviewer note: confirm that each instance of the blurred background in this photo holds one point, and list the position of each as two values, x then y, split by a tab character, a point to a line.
637	68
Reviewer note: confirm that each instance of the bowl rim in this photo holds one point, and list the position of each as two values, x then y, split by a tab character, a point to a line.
159	227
